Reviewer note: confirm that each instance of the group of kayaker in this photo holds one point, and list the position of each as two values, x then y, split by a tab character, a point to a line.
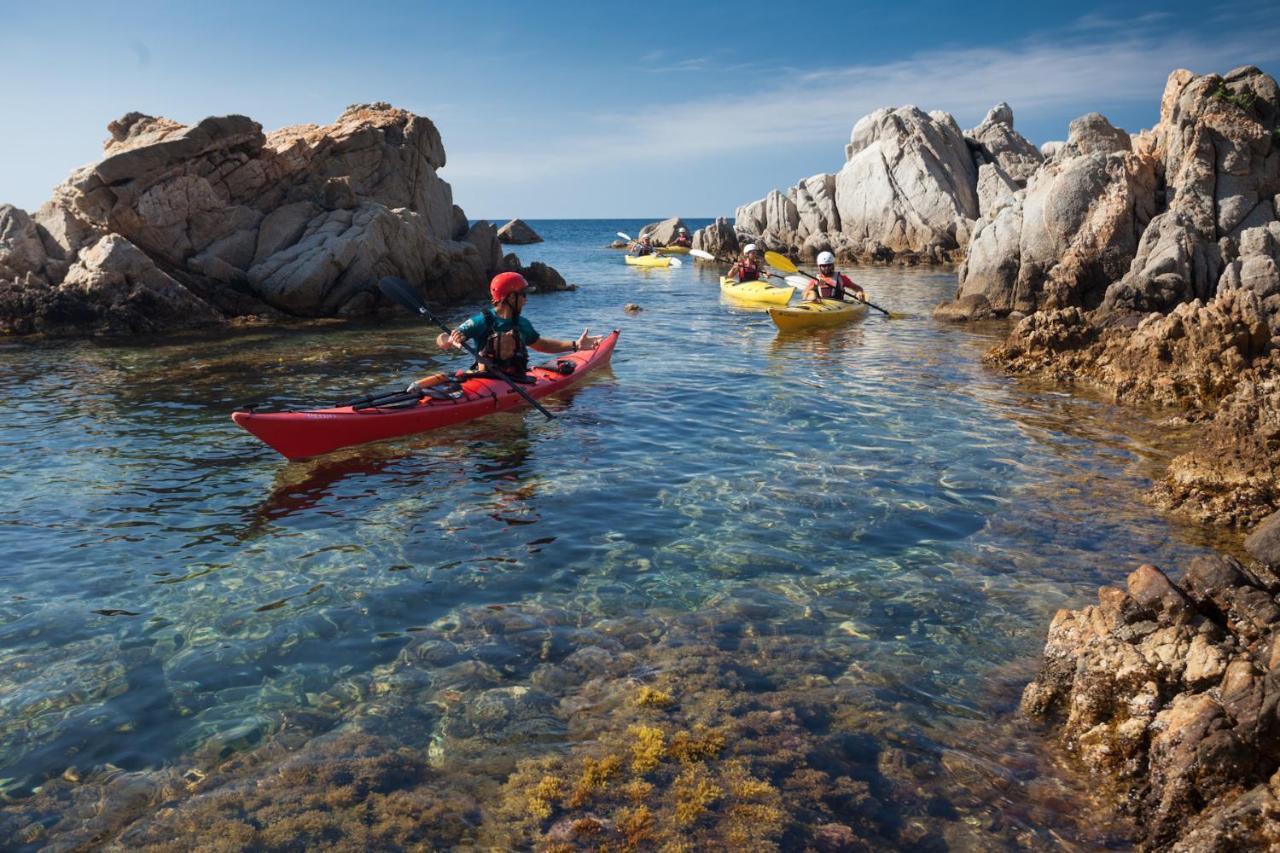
503	335
828	284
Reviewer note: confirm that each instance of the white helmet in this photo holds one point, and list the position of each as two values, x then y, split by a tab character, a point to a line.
826	258
751	247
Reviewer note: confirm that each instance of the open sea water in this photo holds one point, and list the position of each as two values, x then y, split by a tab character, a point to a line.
748	588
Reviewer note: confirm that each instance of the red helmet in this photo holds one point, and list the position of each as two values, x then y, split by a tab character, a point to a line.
506	283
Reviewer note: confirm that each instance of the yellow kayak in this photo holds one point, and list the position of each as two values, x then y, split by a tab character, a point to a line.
813	315
758	292
673	250
648	261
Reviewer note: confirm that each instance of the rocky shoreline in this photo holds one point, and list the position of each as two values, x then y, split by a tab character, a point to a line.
1146	266
1172	691
181	227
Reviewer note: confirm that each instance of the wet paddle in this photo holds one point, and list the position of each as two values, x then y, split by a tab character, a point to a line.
782	262
399	290
673	262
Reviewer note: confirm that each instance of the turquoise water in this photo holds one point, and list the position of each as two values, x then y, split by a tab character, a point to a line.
861	529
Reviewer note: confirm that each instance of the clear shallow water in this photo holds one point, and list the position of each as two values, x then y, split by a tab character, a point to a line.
862	519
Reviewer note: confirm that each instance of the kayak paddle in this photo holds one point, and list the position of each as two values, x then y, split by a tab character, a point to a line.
782	262
399	290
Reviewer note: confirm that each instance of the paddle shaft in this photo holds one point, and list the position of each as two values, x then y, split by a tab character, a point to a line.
399	290
774	261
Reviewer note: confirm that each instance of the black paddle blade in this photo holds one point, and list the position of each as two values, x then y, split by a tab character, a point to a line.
400	291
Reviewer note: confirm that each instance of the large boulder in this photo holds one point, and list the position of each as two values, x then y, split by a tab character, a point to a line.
300	222
908	186
664	232
815	203
517	232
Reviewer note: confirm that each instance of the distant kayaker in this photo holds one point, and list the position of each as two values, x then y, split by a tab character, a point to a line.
751	266
682	238
831	284
642	247
503	335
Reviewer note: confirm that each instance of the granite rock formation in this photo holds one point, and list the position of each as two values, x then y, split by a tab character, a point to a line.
183	226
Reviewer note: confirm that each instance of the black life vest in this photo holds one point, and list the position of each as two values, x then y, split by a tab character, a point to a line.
506	350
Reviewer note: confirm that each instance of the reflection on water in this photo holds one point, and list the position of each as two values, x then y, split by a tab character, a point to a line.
748	588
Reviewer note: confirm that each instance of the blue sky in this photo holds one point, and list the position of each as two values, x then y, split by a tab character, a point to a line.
595	110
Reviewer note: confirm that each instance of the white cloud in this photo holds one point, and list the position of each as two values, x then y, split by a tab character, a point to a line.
1038	75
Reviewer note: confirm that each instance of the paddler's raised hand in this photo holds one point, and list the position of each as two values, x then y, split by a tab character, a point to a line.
587	341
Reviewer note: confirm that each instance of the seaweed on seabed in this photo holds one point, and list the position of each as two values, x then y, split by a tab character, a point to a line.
352	792
649	787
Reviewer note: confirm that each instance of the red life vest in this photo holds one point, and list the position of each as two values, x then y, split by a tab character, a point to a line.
748	271
832	288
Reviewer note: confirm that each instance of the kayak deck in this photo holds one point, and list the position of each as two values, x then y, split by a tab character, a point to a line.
814	315
302	434
757	292
648	261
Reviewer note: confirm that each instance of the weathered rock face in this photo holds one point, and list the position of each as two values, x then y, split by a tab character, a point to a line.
1071	233
1004	147
909	185
910	189
300	222
1215	144
518	232
1138	224
1172	689
770	221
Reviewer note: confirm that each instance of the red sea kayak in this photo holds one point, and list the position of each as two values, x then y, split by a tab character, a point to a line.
298	435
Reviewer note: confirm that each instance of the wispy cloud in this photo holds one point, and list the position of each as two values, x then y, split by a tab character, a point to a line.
1037	75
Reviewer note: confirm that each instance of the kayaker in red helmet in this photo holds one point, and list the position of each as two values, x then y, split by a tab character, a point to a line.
682	238
831	284
503	335
751	266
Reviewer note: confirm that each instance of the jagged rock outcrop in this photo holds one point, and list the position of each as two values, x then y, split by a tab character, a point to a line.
1171	691
771	221
1136	224
718	239
910	190
181	226
517	232
1194	323
1070	234
1217	151
664	232
1005	148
